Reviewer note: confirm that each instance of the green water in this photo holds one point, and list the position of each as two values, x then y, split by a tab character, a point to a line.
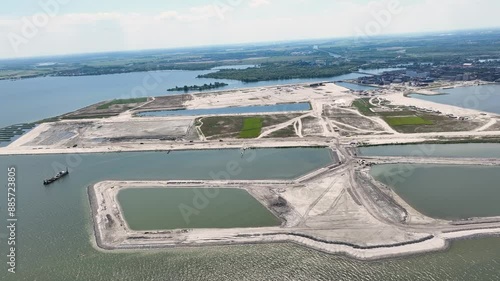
470	150
446	192
174	208
54	229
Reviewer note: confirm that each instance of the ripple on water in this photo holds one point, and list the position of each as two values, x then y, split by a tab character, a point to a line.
467	260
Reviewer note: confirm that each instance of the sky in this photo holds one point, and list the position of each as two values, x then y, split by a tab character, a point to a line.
51	27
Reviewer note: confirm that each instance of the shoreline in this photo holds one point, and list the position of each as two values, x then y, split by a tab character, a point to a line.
426	244
92	140
179	148
335	209
166	146
433	91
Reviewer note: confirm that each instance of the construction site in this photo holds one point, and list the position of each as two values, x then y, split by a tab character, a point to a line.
339	208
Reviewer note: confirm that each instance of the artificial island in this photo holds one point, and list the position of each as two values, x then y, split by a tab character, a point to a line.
338	206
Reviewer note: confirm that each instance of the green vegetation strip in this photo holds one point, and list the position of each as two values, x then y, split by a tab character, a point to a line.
121	101
364	106
283	70
203	87
251	128
407	120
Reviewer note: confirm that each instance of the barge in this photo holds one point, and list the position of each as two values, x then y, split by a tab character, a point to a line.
57	177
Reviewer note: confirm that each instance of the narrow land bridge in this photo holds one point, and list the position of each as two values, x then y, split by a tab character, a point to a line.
432	160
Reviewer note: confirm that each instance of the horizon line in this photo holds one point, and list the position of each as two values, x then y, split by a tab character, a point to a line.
265	42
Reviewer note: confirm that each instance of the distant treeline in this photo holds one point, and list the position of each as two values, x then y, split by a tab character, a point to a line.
105	70
203	87
283	71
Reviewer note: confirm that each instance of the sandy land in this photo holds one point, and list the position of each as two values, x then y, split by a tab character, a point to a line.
437	87
271	95
331	119
328	211
336	209
398	99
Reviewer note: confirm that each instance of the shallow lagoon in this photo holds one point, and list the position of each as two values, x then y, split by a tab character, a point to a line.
165	208
467	150
288	107
355	87
445	192
54	230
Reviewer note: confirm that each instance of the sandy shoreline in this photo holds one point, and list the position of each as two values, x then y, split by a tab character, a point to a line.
123	240
339	209
88	134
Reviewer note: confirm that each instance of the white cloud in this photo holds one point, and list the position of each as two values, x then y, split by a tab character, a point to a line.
205	25
259	3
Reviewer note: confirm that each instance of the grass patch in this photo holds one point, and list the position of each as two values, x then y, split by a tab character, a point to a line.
407	120
121	101
219	127
251	128
287	132
364	106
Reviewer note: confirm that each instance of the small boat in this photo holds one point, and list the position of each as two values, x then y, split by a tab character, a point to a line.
58	176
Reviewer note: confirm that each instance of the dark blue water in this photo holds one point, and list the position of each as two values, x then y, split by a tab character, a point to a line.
30	100
230	110
355	87
13	139
5	141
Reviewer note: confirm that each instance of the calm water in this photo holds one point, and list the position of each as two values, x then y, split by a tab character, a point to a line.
6	141
484	98
30	100
468	150
167	208
54	229
231	110
446	192
378	71
355	87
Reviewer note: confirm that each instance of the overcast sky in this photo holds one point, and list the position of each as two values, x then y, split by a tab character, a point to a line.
32	28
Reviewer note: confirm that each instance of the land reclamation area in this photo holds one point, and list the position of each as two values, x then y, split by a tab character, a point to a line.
270	113
169	209
335	206
361	207
69	239
202	170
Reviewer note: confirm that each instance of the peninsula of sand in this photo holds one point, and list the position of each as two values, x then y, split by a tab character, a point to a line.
339	209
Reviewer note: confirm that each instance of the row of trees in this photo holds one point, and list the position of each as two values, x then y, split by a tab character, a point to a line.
282	71
203	87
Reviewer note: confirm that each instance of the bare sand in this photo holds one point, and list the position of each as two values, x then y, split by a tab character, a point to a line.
128	133
332	210
351	225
